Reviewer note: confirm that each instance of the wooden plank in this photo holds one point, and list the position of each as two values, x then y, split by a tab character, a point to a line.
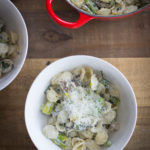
140	139
123	38
12	101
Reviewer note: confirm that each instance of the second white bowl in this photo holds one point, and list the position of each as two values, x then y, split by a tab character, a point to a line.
127	113
14	22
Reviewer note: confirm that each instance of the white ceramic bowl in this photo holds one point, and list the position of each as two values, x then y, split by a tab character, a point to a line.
127	113
15	22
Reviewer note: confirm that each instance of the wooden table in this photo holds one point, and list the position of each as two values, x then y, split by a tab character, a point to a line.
115	41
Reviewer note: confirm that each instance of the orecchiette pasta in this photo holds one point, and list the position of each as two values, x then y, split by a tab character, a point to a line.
69	124
107	107
101	137
91	145
94	82
97	128
80	71
8	63
78	3
62	77
88	74
59	127
58	108
62	117
82	106
109	117
52	96
129	2
107	96
87	134
119	8
71	133
13	37
114	91
109	7
100	88
78	144
104	12
77	140
52	121
3	49
69	144
50	132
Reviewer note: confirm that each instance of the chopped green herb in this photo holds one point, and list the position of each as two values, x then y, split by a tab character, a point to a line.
106	83
108	143
3	41
112	3
114	101
99	110
92	6
101	100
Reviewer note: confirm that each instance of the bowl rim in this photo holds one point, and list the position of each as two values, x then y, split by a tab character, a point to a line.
27	103
26	46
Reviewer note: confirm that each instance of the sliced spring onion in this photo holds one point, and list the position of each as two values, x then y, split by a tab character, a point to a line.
90	84
66	94
61	141
62	138
108	143
47	108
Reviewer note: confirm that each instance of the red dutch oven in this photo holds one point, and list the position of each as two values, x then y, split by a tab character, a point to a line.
84	16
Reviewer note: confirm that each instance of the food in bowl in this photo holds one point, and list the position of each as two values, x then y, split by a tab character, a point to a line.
82	108
109	7
8	49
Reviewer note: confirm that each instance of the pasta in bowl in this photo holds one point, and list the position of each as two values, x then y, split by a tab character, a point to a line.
62	125
109	7
81	105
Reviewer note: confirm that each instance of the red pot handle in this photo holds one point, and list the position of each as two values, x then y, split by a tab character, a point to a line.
81	21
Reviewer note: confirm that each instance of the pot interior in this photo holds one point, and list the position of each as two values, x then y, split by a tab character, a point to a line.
113	16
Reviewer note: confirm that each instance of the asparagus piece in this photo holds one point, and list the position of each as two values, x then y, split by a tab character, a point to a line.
92	6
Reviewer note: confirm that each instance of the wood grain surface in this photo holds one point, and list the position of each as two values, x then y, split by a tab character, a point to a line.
128	37
12	101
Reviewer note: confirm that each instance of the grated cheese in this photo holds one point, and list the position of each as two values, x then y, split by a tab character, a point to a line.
82	107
